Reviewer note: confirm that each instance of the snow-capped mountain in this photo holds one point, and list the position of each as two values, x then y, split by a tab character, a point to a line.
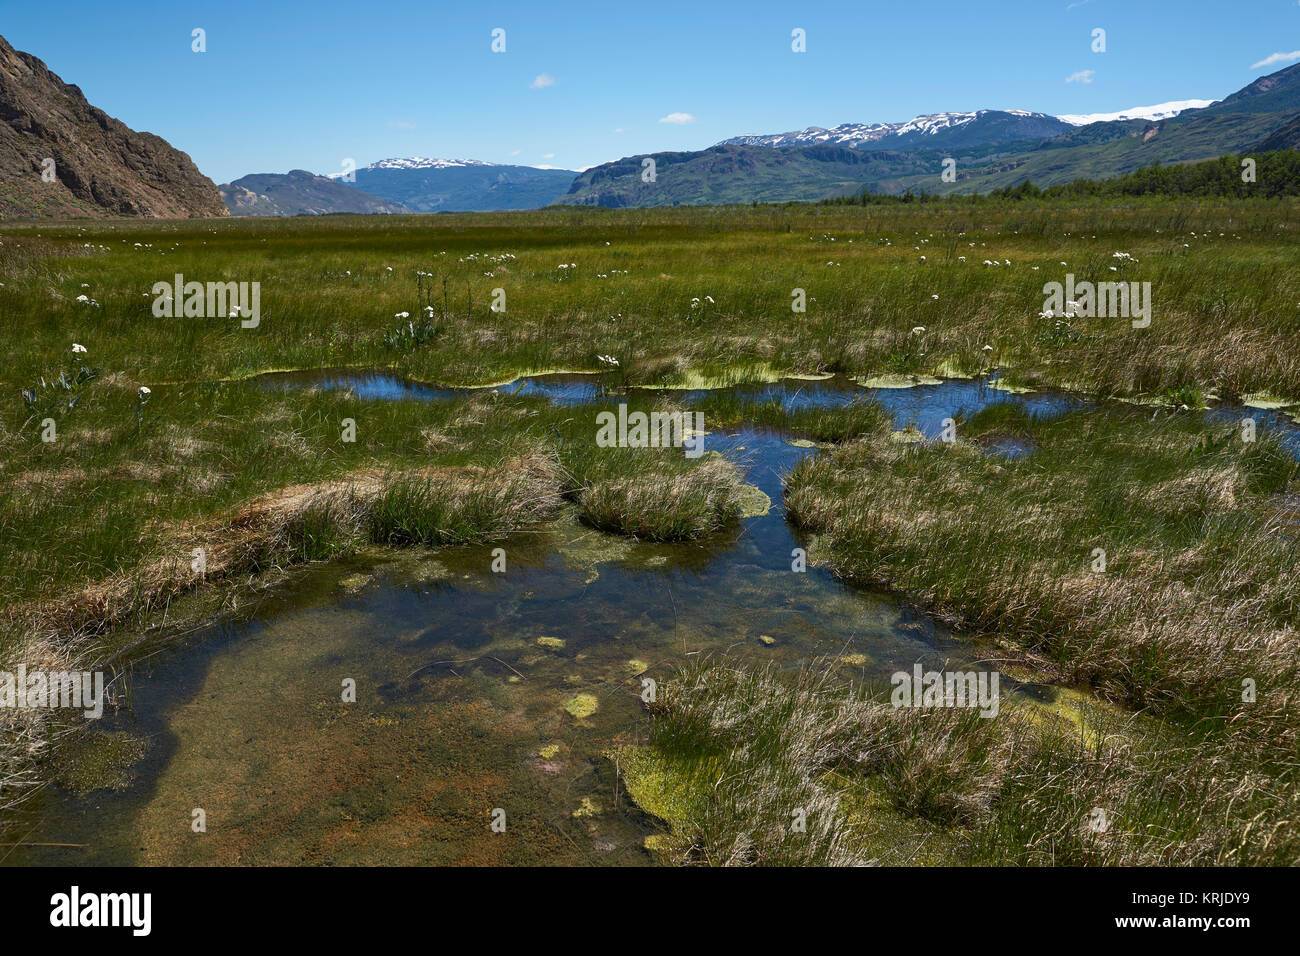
847	134
958	129
418	162
977	126
856	134
1160	111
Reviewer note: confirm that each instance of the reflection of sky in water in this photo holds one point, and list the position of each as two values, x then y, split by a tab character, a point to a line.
923	406
1267	421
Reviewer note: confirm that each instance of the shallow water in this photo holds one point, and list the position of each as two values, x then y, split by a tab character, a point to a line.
922	406
456	698
461	686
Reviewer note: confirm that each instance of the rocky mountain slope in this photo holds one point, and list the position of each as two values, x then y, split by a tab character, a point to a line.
101	168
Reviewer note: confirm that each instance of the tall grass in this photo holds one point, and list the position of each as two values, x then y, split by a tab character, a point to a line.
1193	617
1223	274
739	747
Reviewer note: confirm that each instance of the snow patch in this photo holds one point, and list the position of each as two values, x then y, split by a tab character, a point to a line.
1160	111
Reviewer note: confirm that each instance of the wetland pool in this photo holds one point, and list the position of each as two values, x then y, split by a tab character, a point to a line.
475	691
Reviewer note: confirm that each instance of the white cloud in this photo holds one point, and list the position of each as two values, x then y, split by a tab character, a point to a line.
617	129
1277	58
1083	76
515	152
548	155
401	124
679	119
542	82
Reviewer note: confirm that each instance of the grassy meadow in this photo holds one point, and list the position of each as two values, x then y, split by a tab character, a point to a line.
1200	593
680	295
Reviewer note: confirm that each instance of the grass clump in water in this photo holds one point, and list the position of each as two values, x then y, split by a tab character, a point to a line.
853	419
455	509
655	494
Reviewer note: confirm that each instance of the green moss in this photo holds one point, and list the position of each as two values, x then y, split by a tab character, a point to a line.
1083	714
1009	387
907	436
1265	400
896	380
581	706
98	761
887	835
672	789
754	503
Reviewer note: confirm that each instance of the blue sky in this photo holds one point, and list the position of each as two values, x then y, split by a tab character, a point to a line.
305	84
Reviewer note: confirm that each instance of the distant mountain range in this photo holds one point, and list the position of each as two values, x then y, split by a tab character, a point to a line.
935	130
460	185
61	157
100	167
941	130
299	193
991	149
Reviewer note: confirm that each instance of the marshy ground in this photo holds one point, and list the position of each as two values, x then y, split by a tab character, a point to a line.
371	559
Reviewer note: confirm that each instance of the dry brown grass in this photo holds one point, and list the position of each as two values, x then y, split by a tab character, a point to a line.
1199	603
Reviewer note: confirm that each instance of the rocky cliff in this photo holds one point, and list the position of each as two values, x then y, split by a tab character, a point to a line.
101	168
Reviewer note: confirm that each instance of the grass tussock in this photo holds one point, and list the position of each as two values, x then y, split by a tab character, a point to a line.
1200	586
313	522
653	494
840	423
744	746
1192	617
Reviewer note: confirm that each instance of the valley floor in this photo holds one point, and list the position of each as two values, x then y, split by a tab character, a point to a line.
155	479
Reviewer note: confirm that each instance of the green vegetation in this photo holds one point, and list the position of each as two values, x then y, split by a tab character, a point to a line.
734	751
1276	175
1199	595
1225	306
1150	559
834	424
